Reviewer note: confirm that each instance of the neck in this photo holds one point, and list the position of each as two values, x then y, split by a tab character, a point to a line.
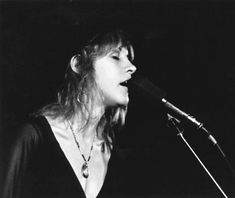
87	129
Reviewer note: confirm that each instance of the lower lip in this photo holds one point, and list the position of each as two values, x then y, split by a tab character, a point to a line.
124	87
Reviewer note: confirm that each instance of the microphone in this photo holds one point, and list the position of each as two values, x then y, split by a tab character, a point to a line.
152	90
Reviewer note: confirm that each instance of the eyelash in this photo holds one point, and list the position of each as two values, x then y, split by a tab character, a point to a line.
115	57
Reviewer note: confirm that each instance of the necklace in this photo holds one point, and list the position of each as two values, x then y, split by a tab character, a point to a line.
85	168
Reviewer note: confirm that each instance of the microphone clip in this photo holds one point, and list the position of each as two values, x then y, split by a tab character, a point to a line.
172	121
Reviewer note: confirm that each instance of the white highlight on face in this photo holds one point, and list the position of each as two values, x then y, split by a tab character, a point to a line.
111	70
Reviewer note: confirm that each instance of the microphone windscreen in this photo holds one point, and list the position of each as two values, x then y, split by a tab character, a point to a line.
148	87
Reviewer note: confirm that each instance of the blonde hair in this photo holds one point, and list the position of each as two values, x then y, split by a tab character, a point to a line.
79	88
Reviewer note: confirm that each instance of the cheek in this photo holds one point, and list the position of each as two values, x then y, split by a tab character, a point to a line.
104	79
106	74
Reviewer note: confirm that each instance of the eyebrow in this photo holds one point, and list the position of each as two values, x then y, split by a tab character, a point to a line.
115	50
127	50
120	48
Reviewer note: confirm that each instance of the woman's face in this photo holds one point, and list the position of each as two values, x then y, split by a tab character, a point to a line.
110	71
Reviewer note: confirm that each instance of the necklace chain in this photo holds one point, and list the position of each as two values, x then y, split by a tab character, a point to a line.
85	167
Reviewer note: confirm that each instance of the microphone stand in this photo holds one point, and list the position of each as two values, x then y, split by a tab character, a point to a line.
175	122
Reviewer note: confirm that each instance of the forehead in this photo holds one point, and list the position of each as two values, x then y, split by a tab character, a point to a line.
121	49
126	50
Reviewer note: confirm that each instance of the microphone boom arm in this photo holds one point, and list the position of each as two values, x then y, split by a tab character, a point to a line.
198	124
175	123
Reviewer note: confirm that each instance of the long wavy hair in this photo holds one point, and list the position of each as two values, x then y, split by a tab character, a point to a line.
79	90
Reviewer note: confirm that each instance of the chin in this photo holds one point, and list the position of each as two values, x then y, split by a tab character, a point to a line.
117	101
124	102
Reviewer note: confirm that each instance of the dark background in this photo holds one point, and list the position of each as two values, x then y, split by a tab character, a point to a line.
184	47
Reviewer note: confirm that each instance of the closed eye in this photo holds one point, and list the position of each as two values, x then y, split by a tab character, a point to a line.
115	54
115	57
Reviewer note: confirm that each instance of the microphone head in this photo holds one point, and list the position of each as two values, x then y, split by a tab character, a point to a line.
148	87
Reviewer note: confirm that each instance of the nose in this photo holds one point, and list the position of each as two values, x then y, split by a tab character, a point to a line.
130	68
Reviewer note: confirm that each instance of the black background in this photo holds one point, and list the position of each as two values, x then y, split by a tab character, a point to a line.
184	47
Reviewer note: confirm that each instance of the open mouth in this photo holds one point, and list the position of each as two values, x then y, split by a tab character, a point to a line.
124	83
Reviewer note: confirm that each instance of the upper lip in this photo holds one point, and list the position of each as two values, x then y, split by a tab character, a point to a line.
126	80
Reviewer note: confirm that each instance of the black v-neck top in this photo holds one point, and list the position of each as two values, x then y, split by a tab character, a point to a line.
38	167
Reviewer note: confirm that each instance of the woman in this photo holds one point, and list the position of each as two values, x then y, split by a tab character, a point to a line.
66	149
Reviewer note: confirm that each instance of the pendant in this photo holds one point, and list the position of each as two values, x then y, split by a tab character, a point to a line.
85	170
